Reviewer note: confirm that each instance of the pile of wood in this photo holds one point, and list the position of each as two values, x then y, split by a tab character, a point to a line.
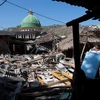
37	77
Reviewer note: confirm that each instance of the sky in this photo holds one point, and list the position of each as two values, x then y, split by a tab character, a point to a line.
11	15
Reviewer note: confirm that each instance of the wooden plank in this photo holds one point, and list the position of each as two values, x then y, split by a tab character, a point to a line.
57	82
41	81
60	77
67	63
67	75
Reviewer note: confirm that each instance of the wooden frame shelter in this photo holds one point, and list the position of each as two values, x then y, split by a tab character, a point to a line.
93	9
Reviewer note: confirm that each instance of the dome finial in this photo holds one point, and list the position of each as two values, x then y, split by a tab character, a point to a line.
30	12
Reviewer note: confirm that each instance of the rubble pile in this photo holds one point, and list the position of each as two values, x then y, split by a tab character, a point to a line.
34	77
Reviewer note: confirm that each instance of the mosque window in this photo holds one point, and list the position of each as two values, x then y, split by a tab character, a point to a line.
26	36
19	36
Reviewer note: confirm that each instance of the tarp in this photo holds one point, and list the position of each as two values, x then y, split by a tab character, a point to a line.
91	64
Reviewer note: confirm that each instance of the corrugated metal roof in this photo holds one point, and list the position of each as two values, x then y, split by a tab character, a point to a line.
92	6
88	4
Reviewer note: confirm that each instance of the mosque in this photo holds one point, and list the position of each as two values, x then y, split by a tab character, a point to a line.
30	27
19	41
25	40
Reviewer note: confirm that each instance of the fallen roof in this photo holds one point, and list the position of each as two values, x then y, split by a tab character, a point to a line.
46	38
7	33
92	36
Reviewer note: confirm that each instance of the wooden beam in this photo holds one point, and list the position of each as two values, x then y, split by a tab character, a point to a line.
83	48
76	76
80	19
41	81
56	74
57	82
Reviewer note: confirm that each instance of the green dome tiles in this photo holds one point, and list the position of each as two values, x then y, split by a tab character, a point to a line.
30	21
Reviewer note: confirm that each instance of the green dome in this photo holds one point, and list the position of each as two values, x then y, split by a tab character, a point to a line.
30	21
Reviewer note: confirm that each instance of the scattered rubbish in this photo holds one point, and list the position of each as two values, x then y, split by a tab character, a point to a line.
38	77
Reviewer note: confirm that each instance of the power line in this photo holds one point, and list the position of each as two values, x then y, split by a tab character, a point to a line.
17	5
2	27
3	2
35	12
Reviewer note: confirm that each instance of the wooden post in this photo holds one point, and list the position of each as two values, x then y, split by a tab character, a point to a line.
76	76
83	48
54	43
76	95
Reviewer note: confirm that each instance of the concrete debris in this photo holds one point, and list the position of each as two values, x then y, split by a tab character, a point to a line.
35	77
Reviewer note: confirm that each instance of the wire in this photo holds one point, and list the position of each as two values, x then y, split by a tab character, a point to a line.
17	5
35	12
2	27
3	2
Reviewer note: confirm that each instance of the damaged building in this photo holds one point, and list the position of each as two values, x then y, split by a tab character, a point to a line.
29	39
19	41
